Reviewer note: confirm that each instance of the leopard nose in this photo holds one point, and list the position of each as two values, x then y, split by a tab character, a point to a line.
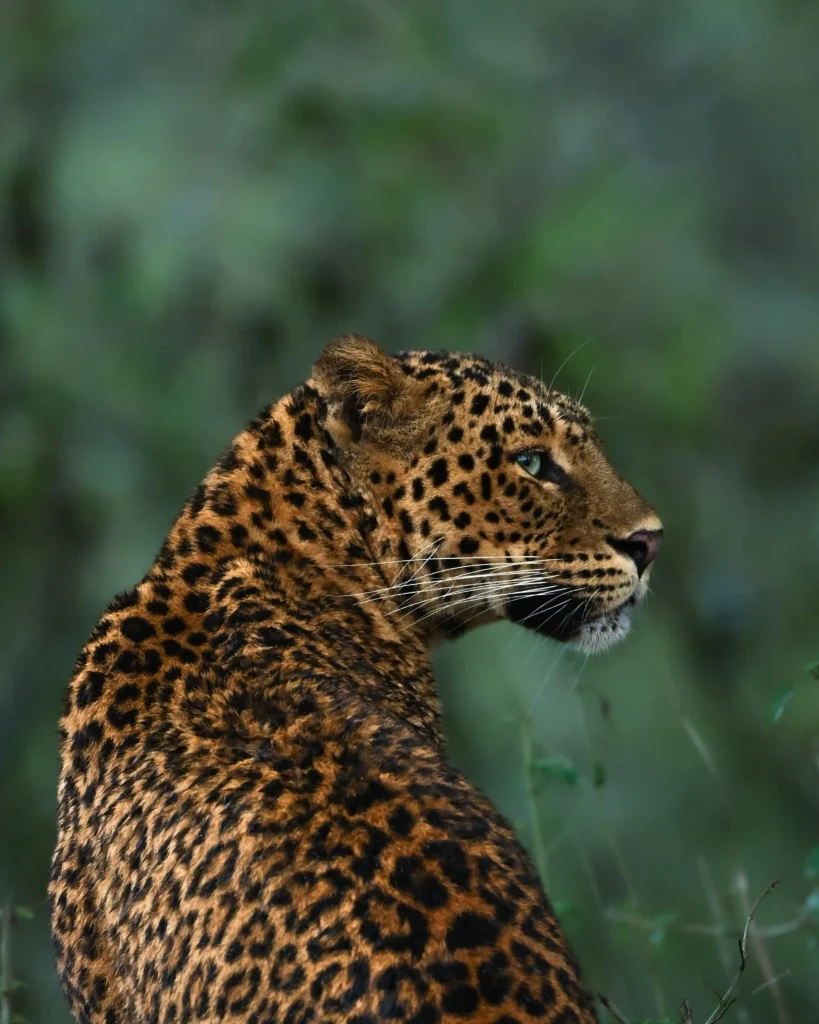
641	547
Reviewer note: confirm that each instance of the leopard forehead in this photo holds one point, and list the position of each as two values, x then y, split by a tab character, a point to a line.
479	391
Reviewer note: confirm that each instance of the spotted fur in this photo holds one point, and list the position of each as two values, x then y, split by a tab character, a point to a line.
257	818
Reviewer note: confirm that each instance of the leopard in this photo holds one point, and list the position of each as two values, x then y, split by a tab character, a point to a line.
258	820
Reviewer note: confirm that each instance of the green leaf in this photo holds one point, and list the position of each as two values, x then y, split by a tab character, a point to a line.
557	767
780	703
813	670
812	863
812	905
660	932
24	913
563	907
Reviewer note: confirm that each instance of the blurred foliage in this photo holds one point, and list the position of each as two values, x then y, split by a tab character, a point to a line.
194	198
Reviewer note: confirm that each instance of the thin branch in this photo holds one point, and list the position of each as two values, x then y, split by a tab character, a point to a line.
609	1005
728	1000
765	984
762	956
708	931
718	913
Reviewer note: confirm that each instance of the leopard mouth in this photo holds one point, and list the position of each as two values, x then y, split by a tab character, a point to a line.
561	616
569	618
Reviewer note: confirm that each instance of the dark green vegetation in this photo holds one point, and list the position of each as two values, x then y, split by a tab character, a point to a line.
193	202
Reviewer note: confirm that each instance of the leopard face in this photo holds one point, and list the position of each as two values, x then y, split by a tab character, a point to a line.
493	495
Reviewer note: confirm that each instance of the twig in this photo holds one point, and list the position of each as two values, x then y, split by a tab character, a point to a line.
762	956
609	1005
708	931
727	1001
765	984
723	947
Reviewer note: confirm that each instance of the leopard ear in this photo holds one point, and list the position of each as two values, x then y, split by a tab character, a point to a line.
370	400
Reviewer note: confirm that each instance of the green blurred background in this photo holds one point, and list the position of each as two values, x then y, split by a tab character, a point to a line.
195	197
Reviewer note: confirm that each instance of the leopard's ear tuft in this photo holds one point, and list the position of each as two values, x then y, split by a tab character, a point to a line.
369	397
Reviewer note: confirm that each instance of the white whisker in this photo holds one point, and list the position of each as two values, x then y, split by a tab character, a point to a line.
511	559
569	357
550	672
588	379
470	592
435	585
448	609
545	607
441	575
579	673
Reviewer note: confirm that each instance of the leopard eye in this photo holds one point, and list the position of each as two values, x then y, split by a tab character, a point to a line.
531	462
543	467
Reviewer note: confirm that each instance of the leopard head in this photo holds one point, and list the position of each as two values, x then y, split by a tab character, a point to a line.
491	495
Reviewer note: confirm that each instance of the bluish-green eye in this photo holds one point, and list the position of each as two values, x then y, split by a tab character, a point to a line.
542	466
531	462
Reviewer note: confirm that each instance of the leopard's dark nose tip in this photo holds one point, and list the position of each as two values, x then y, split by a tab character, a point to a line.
641	547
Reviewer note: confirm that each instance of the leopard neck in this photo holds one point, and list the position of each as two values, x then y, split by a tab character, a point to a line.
277	542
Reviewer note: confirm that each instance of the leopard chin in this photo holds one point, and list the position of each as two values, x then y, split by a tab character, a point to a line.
605	631
609	628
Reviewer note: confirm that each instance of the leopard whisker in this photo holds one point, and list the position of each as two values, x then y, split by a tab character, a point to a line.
468	592
485	603
372	596
568	358
436	575
576	682
535	584
545	607
549	673
480	610
512	559
433	547
588	380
